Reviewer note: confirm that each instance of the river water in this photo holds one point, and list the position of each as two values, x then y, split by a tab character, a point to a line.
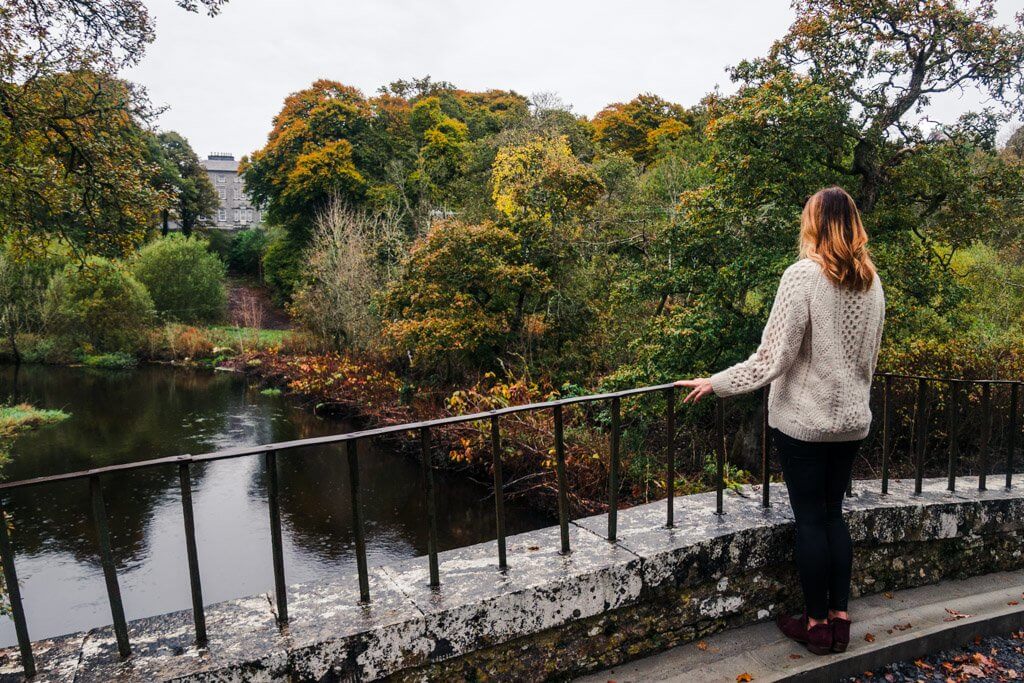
154	412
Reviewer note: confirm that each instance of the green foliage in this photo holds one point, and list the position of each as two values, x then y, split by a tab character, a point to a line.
185	281
192	196
245	255
117	360
462	298
282	264
98	305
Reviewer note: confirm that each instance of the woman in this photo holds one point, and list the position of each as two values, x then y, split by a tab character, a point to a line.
818	352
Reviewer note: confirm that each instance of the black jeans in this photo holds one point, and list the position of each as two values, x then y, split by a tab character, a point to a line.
816	476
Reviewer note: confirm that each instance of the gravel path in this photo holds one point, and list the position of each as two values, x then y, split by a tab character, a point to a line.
985	659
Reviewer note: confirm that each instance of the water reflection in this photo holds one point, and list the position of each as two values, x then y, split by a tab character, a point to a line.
155	412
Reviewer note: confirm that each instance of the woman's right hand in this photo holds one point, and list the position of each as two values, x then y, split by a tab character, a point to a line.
700	387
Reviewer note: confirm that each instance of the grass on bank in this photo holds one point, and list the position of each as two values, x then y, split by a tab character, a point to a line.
168	342
19	419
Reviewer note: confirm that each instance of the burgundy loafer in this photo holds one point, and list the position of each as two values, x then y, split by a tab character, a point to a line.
840	634
794	628
817	639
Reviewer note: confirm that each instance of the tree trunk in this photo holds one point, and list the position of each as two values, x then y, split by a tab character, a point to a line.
166	216
865	164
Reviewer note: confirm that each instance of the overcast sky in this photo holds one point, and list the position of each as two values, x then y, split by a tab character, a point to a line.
224	78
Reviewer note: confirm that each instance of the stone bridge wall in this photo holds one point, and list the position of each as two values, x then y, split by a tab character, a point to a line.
553	616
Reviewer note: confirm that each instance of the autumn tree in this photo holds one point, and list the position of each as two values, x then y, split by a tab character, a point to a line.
72	152
639	126
75	162
543	191
309	156
461	301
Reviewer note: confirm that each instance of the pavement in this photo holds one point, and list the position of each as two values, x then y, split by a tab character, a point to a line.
888	627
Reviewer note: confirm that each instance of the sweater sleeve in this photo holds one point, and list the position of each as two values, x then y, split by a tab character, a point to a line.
780	342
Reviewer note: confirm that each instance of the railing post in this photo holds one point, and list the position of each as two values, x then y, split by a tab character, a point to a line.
953	427
354	494
1011	444
766	442
99	514
986	434
720	461
276	545
428	490
670	453
499	492
613	472
563	502
28	662
198	613
920	434
886	432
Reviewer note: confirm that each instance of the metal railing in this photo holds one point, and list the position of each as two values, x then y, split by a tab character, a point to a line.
351	440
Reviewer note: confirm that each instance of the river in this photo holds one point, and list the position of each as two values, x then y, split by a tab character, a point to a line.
158	411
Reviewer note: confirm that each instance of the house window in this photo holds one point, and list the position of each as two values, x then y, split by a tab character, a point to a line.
222	193
237	217
221	179
222	215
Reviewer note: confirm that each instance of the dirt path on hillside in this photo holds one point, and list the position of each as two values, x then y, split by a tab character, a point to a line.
250	305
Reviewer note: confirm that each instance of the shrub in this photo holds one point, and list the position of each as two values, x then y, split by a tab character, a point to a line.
185	280
245	255
98	304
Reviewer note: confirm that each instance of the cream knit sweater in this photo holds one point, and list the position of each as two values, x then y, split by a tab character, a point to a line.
818	351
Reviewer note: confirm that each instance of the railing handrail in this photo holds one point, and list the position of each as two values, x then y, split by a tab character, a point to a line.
351	440
240	451
279	446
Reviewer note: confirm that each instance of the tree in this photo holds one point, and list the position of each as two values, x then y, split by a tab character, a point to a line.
542	191
182	176
75	164
886	59
639	126
460	301
310	156
72	152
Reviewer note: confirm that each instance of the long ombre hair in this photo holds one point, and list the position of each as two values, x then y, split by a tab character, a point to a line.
832	234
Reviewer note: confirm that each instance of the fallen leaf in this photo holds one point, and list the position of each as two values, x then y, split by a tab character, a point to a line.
796	656
1013	603
702	646
744	678
533	547
921	664
954	615
870	637
888	595
903	627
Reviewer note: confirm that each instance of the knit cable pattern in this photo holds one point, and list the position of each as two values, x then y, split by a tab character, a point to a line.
818	351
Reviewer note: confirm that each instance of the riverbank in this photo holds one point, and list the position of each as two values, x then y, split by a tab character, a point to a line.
363	389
